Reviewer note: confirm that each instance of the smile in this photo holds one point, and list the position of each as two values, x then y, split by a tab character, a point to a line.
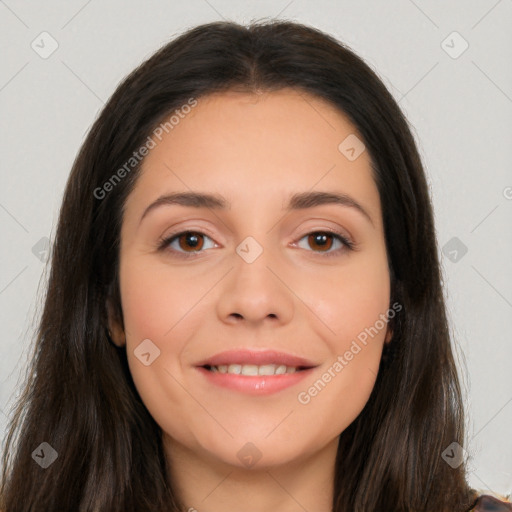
231	377
253	370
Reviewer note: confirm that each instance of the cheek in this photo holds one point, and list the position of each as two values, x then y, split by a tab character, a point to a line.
352	306
152	300
155	308
152	308
159	307
352	301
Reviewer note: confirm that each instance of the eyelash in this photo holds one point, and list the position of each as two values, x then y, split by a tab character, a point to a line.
164	243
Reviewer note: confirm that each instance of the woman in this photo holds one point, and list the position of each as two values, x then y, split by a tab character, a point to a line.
245	304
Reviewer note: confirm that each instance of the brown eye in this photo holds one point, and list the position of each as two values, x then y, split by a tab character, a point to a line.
190	239
321	240
186	243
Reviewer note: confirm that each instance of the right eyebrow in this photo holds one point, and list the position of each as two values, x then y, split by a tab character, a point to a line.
190	199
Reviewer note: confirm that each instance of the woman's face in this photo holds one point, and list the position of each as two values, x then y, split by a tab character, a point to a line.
256	275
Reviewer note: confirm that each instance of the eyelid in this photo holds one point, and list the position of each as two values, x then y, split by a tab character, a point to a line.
348	244
200	230
165	240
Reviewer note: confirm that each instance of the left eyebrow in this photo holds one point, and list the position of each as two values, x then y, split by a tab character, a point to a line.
304	200
298	201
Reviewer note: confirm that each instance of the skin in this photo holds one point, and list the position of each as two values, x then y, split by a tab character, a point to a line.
256	150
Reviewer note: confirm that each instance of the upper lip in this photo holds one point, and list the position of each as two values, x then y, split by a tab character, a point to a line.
260	357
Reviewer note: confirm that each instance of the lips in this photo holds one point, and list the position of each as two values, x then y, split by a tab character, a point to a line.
259	358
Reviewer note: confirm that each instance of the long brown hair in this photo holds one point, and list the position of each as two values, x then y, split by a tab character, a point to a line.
79	396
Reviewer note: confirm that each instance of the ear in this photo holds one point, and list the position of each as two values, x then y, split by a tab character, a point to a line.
116	333
389	336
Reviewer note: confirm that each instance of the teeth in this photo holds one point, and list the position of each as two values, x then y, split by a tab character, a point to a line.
270	369
282	369
253	370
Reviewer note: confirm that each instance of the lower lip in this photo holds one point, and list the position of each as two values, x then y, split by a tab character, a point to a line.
256	385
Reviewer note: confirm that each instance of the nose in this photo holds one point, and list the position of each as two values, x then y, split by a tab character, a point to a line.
257	291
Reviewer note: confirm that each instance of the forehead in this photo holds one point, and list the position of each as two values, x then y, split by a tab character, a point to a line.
237	122
248	145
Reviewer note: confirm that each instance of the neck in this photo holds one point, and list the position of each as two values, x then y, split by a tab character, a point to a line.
202	482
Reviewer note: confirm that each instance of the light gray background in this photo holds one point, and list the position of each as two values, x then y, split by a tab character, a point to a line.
460	108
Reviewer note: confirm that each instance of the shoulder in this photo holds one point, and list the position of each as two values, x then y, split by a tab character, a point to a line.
494	503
